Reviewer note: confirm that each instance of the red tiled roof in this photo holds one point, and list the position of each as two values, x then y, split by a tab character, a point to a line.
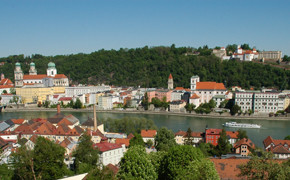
244	141
232	134
130	136
123	141
194	96
24	129
213	131
276	142
17	121
115	169
179	88
6	81
228	168
33	138
65	99
210	86
55	96
180	133
170	76
148	133
42	76
105	146
196	134
65	121
279	149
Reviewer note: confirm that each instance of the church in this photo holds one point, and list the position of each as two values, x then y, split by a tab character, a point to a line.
50	79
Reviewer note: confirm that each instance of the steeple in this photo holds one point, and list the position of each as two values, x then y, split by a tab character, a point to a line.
32	70
170	82
18	75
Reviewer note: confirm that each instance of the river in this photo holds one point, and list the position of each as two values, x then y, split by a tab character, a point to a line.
278	129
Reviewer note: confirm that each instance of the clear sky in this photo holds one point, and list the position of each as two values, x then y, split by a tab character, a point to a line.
51	27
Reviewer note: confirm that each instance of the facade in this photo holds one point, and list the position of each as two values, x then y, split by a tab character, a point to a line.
212	136
110	153
148	135
270	55
79	90
177	106
181	136
34	95
206	90
105	102
45	80
220	52
244	146
265	102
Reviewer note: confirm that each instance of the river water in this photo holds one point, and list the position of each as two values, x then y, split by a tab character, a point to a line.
278	129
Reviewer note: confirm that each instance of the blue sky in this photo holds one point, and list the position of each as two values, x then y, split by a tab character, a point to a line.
52	27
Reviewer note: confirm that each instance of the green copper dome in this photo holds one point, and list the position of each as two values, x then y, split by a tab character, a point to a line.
51	65
32	64
17	64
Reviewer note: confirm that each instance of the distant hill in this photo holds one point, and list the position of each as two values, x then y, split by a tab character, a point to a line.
150	67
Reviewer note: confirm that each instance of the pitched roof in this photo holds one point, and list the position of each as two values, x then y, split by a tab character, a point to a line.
280	149
232	134
276	142
210	86
45	128
24	129
6	81
179	88
148	133
228	168
59	76
194	96
65	99
89	122
33	138
4	126
72	118
170	76
244	141
62	129
115	169
180	133
42	76
17	121
130	136
2	142
213	131
65	121
105	146
123	141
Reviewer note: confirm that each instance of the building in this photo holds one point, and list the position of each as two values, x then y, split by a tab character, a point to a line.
280	148
51	79
148	135
181	136
265	102
212	136
245	55
110	153
170	82
244	147
105	102
177	106
79	90
270	55
205	91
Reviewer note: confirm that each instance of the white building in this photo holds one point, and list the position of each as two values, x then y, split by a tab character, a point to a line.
105	102
205	90
110	153
148	135
245	55
79	90
265	102
177	106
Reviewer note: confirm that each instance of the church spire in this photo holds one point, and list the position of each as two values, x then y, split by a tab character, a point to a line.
170	82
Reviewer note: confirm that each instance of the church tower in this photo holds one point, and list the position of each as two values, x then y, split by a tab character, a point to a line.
193	83
32	70
51	70
18	75
170	82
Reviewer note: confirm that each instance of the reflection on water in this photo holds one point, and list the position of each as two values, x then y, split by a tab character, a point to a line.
276	129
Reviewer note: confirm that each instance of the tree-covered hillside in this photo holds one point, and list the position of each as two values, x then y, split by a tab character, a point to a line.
150	67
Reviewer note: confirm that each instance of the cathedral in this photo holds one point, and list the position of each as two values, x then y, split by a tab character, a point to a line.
39	80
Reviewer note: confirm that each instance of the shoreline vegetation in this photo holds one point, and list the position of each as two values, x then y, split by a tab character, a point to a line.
211	115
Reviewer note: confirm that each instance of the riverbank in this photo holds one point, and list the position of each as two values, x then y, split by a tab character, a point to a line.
211	115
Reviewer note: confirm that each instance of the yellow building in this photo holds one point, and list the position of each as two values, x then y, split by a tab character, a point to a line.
29	95
287	101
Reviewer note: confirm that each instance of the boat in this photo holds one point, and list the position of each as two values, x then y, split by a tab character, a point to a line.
241	125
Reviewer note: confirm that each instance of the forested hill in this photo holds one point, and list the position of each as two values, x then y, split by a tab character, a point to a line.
150	67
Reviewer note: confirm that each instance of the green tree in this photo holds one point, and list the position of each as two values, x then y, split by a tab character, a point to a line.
86	156
212	104
149	143
177	159
264	168
189	138
46	161
242	134
4	92
164	139
136	165
78	104
137	140
235	109
145	101
12	91
46	104
189	107
208	149
101	174
223	147
223	104
287	137
156	159
5	172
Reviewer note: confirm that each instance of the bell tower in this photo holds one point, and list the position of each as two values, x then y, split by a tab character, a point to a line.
32	70
170	82
18	75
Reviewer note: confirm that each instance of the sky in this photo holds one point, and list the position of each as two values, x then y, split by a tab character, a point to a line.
62	27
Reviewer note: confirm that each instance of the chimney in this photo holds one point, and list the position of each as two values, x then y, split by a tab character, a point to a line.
95	119
58	109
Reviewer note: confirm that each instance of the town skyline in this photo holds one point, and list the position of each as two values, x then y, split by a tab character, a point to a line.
55	28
